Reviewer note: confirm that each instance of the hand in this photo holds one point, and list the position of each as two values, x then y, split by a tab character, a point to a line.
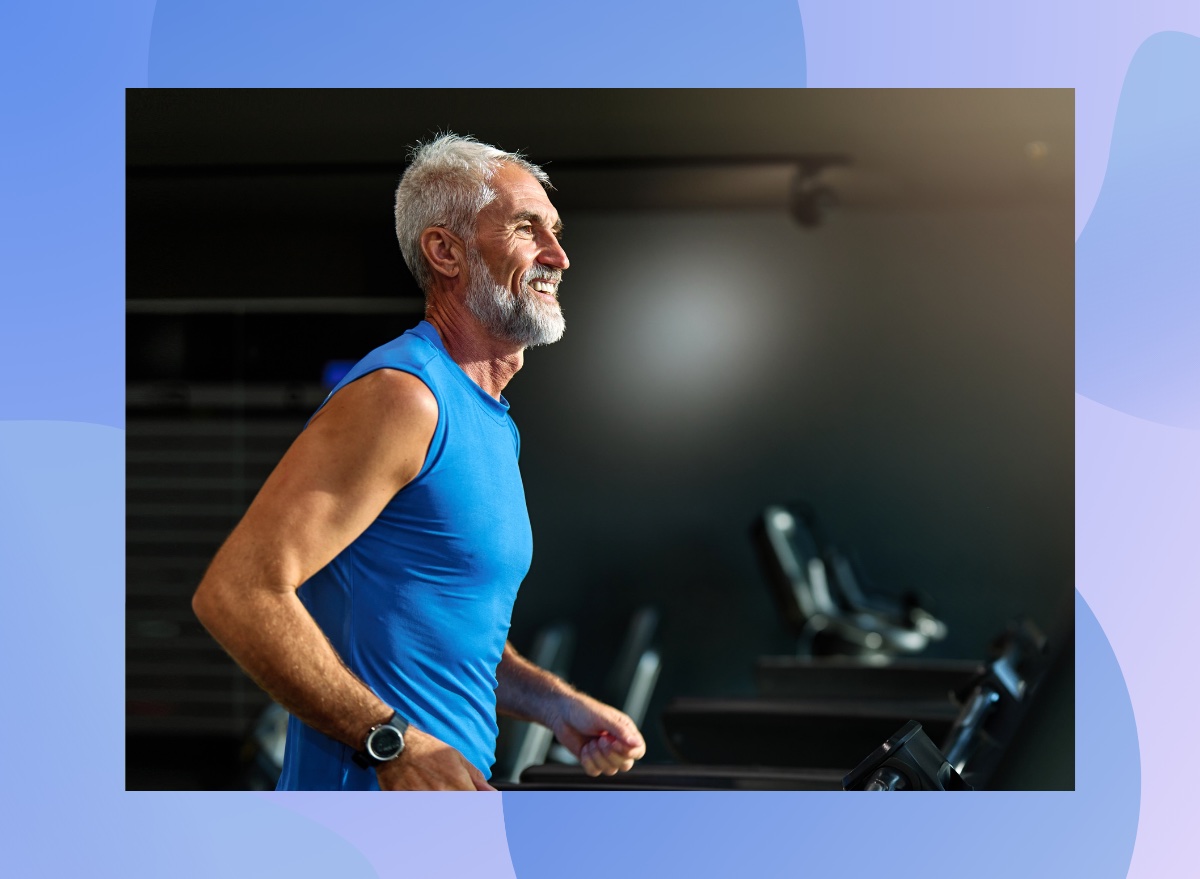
428	763
604	739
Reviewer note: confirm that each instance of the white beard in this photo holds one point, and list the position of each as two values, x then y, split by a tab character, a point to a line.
526	319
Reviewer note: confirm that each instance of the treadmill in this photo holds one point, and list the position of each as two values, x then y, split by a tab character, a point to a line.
973	743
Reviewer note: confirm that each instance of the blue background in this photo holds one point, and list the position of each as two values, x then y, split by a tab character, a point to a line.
61	445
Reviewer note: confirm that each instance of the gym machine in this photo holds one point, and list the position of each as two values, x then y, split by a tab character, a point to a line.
991	714
855	684
818	592
987	714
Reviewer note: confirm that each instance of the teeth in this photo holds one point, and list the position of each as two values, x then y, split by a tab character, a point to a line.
543	286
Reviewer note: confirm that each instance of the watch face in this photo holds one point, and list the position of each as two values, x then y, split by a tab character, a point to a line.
385	743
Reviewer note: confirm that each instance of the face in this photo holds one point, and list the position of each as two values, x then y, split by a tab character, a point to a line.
516	262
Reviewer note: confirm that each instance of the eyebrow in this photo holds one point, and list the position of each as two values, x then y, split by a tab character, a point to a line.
535	217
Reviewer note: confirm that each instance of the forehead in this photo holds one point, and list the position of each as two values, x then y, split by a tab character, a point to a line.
518	191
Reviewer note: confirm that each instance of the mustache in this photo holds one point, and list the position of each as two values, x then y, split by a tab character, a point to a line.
543	273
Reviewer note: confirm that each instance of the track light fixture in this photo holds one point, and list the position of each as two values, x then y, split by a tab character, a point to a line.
809	199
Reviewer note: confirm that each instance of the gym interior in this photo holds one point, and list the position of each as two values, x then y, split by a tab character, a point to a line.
804	454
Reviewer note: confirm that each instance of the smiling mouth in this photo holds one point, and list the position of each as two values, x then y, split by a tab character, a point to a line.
546	289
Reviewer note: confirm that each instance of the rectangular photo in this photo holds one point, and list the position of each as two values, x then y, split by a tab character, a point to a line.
680	439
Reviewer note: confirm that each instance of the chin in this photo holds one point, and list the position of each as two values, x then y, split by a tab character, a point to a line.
536	322
548	336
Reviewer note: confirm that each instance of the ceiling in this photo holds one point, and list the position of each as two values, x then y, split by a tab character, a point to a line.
668	148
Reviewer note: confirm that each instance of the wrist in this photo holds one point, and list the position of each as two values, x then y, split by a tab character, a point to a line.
383	742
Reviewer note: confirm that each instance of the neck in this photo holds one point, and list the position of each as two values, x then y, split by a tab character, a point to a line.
491	363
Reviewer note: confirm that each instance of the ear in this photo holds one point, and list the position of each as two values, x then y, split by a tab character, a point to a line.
444	251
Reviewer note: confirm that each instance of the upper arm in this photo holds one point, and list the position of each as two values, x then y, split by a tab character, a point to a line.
367	443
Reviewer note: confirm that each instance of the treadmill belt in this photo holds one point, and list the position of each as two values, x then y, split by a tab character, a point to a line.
673	777
810	734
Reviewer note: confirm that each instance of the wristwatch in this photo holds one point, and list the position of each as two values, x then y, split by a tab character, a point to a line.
385	741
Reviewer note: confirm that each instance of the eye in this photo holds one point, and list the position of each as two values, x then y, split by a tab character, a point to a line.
525	229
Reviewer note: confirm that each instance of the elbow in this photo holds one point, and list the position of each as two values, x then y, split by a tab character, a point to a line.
215	606
200	604
207	605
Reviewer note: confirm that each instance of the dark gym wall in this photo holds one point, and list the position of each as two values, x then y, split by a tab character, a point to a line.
910	375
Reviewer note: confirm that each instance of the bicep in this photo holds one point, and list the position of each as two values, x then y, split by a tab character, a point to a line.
365	445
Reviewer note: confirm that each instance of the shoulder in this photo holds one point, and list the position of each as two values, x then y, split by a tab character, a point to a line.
378	427
383	396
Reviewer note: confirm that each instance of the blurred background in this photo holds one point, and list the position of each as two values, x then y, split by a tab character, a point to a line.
858	299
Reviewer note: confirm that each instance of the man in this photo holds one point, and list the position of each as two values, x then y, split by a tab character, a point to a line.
369	586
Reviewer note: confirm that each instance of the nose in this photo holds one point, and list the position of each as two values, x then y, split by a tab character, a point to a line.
553	254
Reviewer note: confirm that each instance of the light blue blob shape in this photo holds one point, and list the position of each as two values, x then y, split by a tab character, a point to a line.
62	223
66	811
1138	258
207	835
1089	832
542	43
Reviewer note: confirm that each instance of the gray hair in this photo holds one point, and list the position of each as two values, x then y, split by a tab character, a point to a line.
447	183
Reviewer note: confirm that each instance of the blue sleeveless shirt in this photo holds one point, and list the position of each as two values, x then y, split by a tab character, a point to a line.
418	606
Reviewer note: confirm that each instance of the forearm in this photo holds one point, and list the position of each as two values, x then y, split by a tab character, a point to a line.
271	635
604	739
527	692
